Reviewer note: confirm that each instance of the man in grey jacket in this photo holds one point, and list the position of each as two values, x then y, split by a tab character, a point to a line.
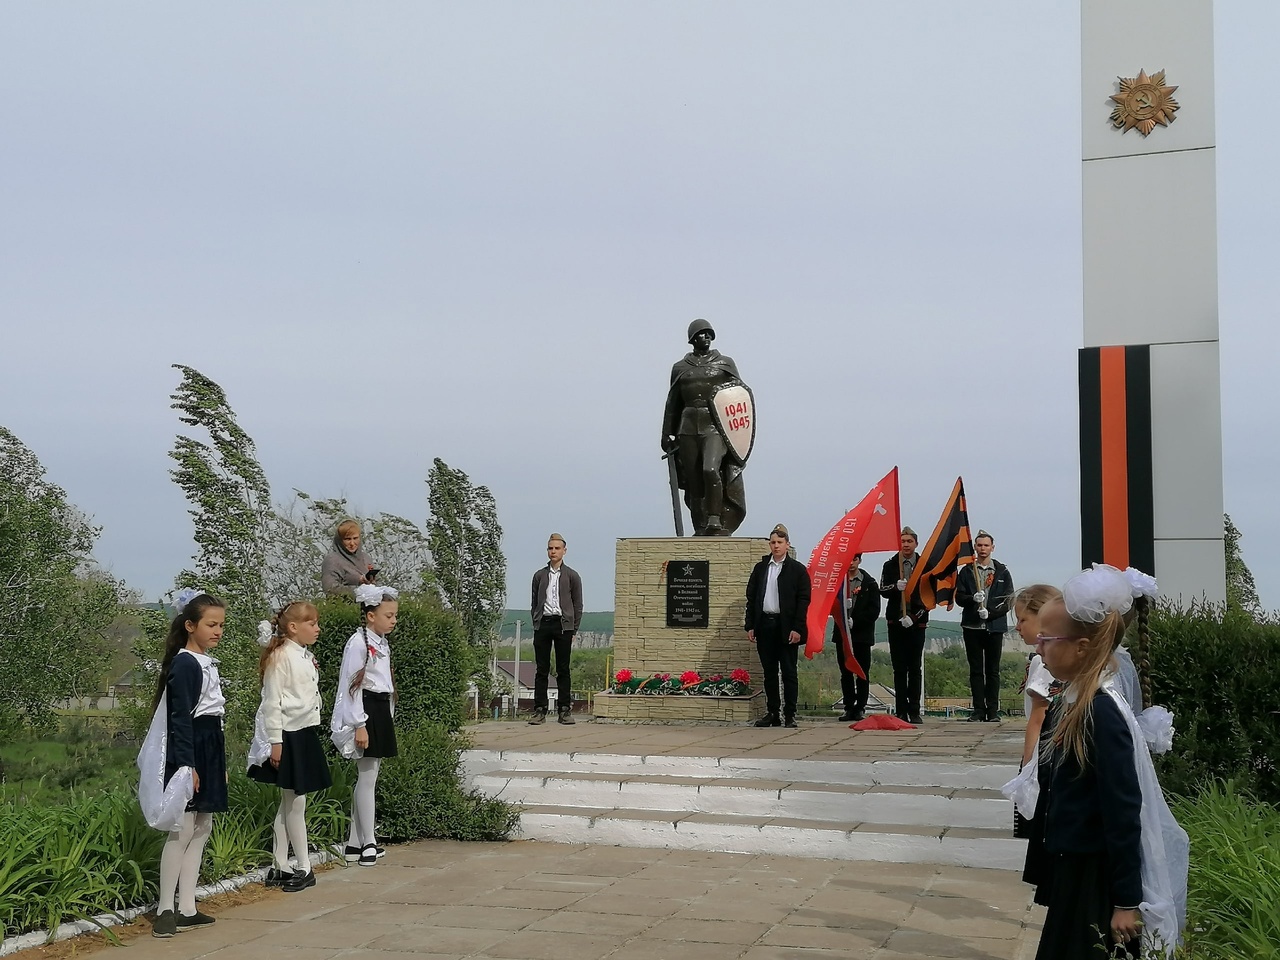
557	612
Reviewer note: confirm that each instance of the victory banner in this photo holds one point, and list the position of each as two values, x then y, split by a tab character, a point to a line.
733	409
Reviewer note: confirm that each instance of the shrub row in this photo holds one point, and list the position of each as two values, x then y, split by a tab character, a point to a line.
1220	675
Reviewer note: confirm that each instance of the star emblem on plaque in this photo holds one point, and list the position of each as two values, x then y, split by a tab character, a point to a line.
1143	102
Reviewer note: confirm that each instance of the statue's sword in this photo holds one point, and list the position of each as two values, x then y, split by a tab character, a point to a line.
670	457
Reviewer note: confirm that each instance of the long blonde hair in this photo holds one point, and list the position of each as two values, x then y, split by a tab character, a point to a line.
1075	711
294	612
1031	599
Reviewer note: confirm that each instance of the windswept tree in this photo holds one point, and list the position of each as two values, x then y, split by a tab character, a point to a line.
55	606
466	550
231	509
1242	592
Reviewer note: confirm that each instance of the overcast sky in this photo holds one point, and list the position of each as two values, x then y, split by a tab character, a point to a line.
399	231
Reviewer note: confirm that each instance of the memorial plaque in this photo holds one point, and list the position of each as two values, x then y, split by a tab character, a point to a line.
688	593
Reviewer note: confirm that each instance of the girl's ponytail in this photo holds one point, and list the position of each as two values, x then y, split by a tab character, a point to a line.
191	606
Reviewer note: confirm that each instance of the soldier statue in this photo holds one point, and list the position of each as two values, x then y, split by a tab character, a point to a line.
705	463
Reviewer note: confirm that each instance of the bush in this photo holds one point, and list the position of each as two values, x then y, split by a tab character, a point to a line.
1217	673
420	792
1233	900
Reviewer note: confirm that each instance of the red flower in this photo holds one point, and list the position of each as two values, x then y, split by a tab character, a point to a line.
622	676
717	678
690	676
740	676
663	676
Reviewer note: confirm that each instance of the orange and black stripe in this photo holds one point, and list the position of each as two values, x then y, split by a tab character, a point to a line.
1117	523
933	582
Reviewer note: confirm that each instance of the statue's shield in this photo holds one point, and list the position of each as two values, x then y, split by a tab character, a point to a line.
734	412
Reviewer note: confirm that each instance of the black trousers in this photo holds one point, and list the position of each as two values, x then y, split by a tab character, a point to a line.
906	649
854	687
777	656
983	649
548	635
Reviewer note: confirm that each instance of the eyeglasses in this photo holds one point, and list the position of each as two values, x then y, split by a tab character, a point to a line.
1041	638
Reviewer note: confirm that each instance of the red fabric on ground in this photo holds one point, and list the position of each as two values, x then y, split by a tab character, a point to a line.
881	721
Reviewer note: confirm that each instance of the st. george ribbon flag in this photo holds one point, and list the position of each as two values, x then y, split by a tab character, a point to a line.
872	525
933	580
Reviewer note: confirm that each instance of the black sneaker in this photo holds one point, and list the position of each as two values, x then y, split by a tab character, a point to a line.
769	720
539	715
789	722
565	716
916	719
197	919
845	717
165	925
976	718
993	717
278	878
300	881
368	856
350	854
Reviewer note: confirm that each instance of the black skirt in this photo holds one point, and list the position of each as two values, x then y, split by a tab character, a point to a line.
1078	922
1035	869
210	751
303	767
382	732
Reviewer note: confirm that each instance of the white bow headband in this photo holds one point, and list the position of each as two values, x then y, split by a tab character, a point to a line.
1091	594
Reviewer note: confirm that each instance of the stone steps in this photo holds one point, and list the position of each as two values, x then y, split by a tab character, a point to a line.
892	810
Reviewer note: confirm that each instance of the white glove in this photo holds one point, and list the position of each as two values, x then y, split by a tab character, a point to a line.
906	621
982	614
980	596
902	584
848	603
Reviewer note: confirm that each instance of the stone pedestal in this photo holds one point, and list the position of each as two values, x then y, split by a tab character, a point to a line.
644	644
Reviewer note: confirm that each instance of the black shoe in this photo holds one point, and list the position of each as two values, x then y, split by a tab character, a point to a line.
846	717
859	715
197	919
565	716
916	719
368	856
278	878
299	881
165	925
769	720
976	717
993	717
350	854
379	852
539	715
790	721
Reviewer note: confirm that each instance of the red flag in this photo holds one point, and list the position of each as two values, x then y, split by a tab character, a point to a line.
830	558
934	578
884	532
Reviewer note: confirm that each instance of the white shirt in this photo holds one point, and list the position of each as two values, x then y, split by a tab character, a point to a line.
551	608
211	703
771	587
1039	680
290	691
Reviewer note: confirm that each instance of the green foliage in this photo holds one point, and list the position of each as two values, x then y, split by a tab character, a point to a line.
1242	592
1217	673
466	547
419	792
231	507
80	757
1233	899
55	608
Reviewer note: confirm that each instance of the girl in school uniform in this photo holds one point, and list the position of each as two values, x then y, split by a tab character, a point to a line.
362	727
1038	687
1116	880
286	747
192	691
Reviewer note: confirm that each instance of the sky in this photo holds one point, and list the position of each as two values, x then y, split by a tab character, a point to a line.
400	231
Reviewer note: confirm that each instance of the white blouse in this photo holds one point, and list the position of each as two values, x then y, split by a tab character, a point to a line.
211	703
1039	680
368	652
290	691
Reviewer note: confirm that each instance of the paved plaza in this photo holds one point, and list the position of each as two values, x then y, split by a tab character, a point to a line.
529	900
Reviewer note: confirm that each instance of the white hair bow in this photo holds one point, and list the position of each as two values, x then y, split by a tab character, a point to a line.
265	632
1091	594
184	597
371	594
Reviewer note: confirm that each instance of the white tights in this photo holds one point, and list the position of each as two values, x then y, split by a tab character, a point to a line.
180	863
291	828
361	834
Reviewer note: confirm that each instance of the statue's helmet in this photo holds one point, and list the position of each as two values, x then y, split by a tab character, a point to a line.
698	326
